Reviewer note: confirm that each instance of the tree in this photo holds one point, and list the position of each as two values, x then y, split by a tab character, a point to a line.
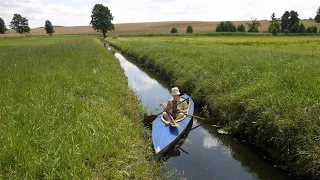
49	28
253	26
2	26
317	18
101	19
274	25
285	21
227	26
20	24
174	30
294	22
189	29
274	31
241	28
302	28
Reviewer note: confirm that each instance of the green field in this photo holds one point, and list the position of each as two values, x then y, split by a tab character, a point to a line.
265	89
66	112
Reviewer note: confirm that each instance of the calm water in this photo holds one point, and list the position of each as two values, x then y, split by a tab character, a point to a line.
203	154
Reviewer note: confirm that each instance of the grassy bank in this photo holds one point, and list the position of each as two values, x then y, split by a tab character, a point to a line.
263	88
66	111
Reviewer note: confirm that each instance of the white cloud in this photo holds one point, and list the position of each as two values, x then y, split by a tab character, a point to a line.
77	12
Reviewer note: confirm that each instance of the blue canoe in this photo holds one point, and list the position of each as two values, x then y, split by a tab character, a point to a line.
164	136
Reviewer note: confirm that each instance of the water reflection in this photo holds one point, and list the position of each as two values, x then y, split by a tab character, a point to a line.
149	90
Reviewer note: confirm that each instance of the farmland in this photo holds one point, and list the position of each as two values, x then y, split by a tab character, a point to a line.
263	89
151	27
66	111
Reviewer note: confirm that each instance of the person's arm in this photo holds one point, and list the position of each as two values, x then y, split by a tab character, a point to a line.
169	104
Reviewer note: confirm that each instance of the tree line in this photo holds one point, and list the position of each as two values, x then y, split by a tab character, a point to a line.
288	23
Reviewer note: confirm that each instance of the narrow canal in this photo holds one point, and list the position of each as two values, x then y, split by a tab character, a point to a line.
203	153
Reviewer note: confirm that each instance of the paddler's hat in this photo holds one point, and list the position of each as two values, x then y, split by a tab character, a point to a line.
175	91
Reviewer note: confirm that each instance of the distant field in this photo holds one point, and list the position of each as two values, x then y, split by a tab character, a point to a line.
265	88
151	27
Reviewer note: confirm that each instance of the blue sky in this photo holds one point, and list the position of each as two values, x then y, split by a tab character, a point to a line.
77	12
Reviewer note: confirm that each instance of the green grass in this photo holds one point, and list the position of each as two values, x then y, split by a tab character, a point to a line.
66	112
263	88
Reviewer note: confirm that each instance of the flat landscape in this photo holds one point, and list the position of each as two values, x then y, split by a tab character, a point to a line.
151	27
67	113
262	88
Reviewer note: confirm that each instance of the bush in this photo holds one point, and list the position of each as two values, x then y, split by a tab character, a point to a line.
274	31
241	28
189	29
174	30
226	26
312	29
276	25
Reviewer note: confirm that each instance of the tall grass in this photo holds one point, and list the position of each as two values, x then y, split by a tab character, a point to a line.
66	112
263	88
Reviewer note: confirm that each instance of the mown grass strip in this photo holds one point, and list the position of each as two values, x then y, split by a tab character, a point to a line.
265	89
66	111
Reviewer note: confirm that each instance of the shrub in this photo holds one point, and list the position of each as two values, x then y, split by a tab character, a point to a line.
302	28
189	29
226	26
241	28
174	30
312	29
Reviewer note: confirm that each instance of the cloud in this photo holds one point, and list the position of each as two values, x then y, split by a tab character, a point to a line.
77	12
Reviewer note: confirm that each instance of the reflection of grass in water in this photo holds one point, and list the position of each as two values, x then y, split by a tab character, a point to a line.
266	88
66	112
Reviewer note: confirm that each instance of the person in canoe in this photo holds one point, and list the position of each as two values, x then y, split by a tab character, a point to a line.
176	108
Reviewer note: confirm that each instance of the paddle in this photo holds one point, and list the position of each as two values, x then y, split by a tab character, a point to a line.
197	117
149	119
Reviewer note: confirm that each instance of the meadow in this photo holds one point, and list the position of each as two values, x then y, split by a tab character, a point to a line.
262	89
150	28
67	112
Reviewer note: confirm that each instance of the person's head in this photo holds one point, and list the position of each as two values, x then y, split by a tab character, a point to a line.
175	92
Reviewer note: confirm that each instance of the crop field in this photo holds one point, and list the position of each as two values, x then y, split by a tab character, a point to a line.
151	27
265	89
66	112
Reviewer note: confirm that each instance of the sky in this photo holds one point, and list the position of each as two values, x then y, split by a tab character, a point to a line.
77	12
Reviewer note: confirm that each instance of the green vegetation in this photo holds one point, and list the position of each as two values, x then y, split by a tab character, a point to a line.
189	29
3	27
241	28
20	24
227	26
67	113
101	19
265	89
254	25
312	29
174	30
48	27
317	18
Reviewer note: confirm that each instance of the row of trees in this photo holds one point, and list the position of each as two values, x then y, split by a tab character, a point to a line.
228	26
21	25
189	30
